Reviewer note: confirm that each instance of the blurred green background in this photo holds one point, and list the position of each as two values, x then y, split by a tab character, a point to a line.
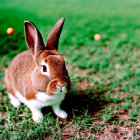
83	20
107	71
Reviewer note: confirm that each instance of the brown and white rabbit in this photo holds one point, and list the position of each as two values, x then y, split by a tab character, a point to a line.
38	77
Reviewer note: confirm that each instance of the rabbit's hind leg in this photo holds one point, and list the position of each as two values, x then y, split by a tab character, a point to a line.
13	100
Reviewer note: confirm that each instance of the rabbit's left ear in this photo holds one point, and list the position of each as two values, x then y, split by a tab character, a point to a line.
33	38
53	38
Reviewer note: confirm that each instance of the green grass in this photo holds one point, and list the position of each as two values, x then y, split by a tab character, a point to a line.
105	93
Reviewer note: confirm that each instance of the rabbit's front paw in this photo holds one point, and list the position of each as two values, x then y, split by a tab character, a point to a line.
37	117
62	114
59	112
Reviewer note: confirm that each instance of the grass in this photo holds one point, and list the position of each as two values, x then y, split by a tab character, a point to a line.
104	102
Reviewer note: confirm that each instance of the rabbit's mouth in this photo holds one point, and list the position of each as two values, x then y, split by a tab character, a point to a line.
56	88
61	89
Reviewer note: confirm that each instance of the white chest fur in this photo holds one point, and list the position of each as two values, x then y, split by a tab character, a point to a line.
49	100
42	99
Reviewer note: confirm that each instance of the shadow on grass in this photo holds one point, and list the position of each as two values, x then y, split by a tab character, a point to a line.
79	103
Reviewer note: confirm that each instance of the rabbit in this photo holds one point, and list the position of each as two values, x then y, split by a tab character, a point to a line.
38	77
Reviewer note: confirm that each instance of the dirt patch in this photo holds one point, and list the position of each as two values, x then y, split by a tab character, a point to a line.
117	133
83	85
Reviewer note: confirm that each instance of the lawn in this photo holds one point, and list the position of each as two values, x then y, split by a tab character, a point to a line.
104	101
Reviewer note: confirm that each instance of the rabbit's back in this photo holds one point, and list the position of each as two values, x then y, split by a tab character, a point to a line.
18	71
21	64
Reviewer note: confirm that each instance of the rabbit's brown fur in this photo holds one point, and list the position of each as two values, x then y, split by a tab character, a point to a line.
25	77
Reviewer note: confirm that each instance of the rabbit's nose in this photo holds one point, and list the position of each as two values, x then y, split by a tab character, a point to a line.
61	84
61	87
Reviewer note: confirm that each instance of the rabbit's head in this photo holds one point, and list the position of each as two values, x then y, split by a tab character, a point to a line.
49	73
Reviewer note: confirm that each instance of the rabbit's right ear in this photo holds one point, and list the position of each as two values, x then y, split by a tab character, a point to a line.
33	38
53	38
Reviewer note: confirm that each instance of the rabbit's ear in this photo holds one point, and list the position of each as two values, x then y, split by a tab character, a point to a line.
33	38
53	38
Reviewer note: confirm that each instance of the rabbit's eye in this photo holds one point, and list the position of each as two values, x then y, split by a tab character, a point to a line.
44	68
